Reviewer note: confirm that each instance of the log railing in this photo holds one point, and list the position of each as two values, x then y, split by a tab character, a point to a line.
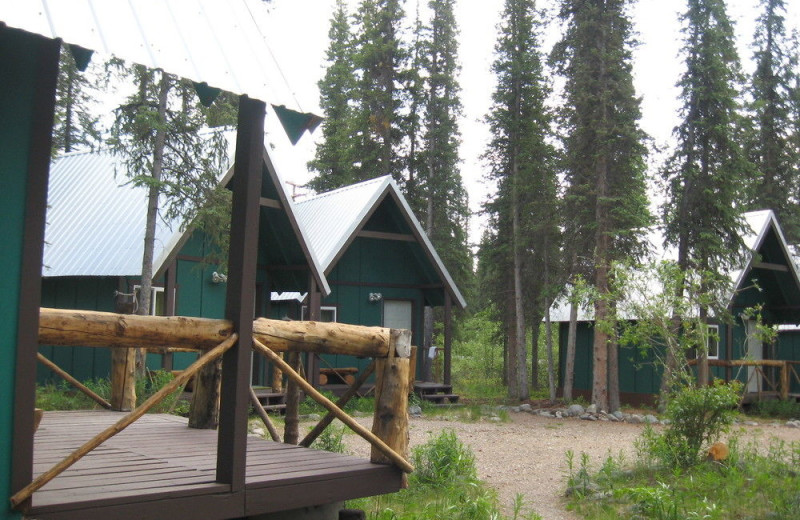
780	387
391	349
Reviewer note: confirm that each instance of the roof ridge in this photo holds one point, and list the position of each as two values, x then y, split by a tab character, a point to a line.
342	189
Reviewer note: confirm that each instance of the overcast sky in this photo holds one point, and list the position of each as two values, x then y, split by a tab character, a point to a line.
299	30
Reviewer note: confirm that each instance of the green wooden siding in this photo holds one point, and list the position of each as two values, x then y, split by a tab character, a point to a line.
85	293
18	61
788	348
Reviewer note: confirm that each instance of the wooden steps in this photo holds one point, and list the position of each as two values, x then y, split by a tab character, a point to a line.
436	393
271	401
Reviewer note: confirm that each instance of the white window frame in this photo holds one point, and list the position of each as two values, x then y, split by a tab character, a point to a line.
323	308
154	290
712	337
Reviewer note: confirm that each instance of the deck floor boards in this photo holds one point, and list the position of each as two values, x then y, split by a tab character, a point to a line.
158	459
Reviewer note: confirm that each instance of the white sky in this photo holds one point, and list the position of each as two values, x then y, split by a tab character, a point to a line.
299	30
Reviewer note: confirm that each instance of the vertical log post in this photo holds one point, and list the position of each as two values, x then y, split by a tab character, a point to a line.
277	377
784	381
412	369
123	379
390	423
448	337
291	424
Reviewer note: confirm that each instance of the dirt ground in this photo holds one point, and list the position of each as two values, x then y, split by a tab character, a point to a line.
527	454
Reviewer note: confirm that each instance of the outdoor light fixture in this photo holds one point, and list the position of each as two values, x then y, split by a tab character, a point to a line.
218	277
375	297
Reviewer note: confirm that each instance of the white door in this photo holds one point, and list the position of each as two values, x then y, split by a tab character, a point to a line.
755	352
397	314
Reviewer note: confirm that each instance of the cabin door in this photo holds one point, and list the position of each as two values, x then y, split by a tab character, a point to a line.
755	352
397	314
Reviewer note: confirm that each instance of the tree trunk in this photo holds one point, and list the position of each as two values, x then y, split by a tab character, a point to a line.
569	358
551	368
535	329
613	376
152	212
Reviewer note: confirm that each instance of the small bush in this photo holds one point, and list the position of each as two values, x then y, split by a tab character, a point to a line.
443	461
698	415
331	439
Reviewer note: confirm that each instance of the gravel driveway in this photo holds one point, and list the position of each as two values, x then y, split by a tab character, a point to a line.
527	454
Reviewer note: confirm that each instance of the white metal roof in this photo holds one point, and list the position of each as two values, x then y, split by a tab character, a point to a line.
332	219
757	223
95	223
212	41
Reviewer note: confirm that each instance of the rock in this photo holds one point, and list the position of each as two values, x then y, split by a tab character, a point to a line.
612	418
592	408
588	417
750	423
415	410
650	419
635	419
559	414
545	413
619	415
666	422
575	410
257	431
525	407
793	424
516	409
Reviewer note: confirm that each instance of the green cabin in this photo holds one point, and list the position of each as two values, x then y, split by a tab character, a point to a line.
359	248
93	250
769	277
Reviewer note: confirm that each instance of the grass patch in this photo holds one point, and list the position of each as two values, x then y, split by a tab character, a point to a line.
753	483
444	485
62	396
776	409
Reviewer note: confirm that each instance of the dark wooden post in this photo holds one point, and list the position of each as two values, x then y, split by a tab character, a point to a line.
169	306
239	302
448	337
314	314
41	107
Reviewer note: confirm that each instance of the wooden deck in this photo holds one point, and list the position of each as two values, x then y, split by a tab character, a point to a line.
159	466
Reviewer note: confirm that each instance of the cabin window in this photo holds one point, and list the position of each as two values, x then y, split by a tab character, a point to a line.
712	341
157	301
398	314
327	314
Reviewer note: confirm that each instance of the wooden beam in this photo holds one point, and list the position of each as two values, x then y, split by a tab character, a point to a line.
240	295
401	237
269	203
25	493
448	338
376	442
106	329
771	267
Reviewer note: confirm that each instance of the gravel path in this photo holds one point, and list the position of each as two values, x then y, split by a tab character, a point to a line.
527	454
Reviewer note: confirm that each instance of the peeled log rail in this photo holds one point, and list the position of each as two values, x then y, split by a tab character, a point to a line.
106	329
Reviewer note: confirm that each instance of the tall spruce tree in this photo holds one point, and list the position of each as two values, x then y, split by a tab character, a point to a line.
380	57
74	125
335	158
521	161
605	198
157	133
768	147
705	173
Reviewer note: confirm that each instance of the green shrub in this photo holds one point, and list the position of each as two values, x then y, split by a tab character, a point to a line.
778	409
697	415
331	439
443	461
